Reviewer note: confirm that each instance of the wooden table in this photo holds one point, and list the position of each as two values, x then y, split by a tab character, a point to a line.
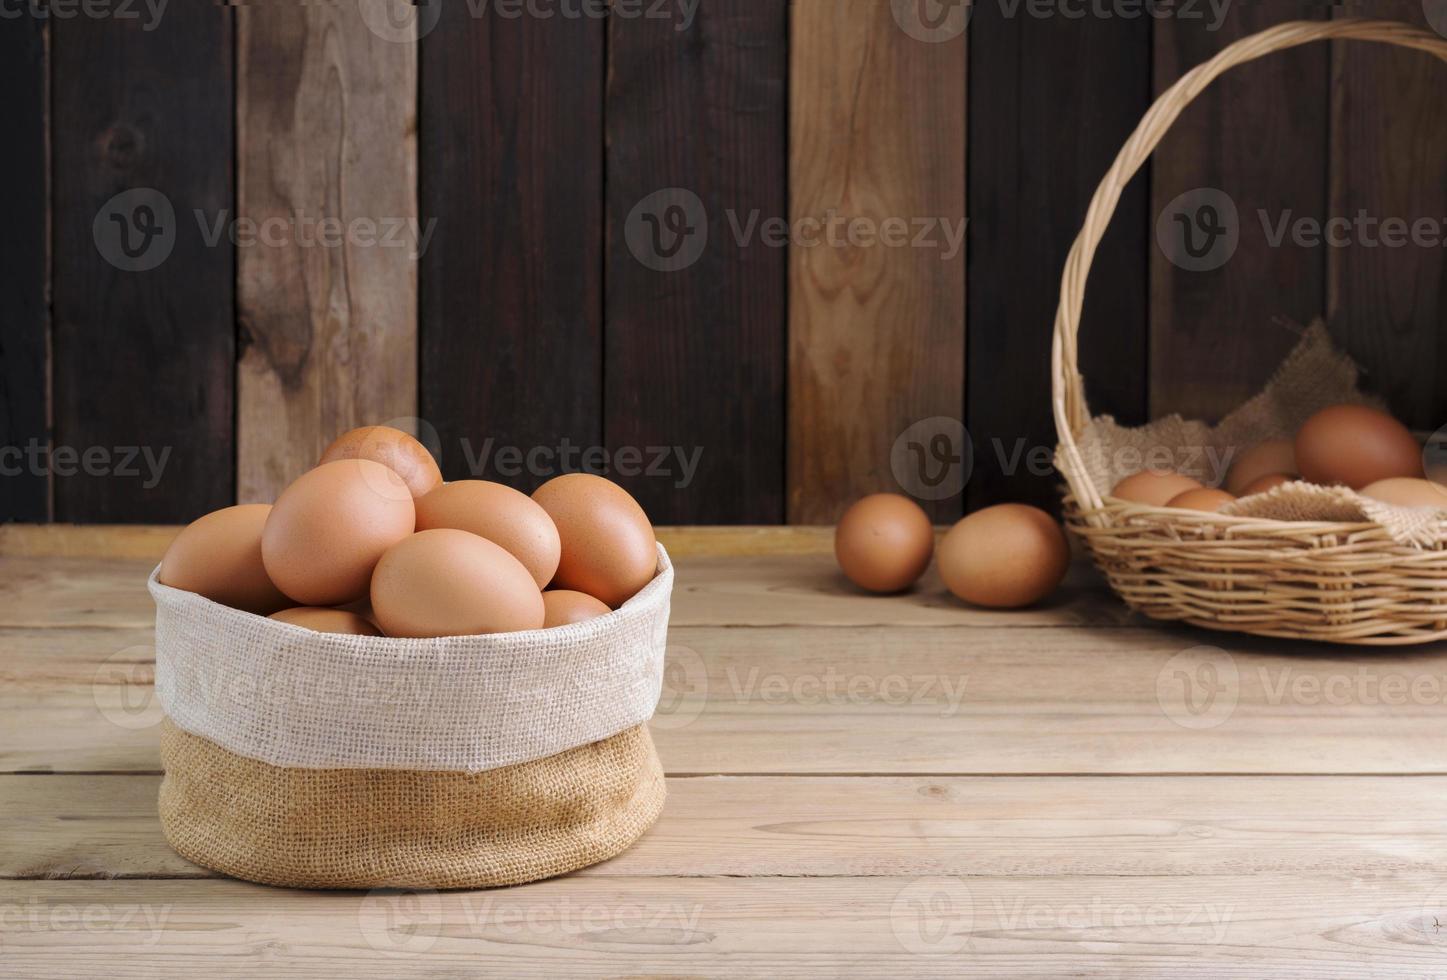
858	786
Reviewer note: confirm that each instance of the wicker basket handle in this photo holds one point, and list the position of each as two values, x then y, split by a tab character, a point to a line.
1071	411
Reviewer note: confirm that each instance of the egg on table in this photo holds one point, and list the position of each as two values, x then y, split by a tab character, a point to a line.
884	542
608	548
1006	556
446	582
1353	445
501	514
219	556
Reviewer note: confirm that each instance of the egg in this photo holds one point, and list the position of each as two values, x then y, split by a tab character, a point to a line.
1268	482
1263	459
608	548
563	606
1353	445
884	542
219	556
501	514
394	449
1154	487
1202	498
446	582
1407	492
1006	556
328	529
325	620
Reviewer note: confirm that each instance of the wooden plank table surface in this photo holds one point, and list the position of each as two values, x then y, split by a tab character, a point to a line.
859	786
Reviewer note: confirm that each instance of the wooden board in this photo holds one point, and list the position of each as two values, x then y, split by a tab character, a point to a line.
1258	139
1389	159
106	827
1038	151
144	351
24	270
876	332
327	287
695	343
512	172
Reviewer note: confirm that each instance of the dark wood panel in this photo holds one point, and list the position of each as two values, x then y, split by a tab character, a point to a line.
876	331
1389	158
1052	102
24	267
1259	138
512	170
144	350
695	336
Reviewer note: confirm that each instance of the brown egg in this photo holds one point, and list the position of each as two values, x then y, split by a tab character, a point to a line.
609	550
502	515
394	449
1202	498
1154	487
1263	459
1005	557
219	556
446	582
329	528
884	542
326	620
1352	445
1404	491
563	606
1268	482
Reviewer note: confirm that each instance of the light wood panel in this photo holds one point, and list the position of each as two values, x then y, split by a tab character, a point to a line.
106	827
1245	926
876	332
327	291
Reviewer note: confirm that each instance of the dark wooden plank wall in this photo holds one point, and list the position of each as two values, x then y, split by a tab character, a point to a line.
24	261
539	324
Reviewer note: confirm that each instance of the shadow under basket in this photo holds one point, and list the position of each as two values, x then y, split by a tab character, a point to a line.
1331	581
320	760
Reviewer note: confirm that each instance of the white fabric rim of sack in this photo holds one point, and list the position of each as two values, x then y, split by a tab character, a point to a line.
288	696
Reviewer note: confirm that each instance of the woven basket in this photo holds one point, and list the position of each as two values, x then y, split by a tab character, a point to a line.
1335	582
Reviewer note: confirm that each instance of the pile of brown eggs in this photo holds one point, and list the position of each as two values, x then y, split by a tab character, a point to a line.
1344	445
372	542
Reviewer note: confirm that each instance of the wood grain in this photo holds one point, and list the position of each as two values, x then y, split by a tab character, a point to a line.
1260	136
24	270
748	826
327	291
876	333
512	172
695	354
1246	926
143	361
1038	150
1389	160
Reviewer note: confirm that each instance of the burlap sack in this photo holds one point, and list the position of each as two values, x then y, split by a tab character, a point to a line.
1313	376
329	761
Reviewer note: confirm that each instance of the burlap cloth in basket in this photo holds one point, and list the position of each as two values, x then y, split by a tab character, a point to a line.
1313	376
328	761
